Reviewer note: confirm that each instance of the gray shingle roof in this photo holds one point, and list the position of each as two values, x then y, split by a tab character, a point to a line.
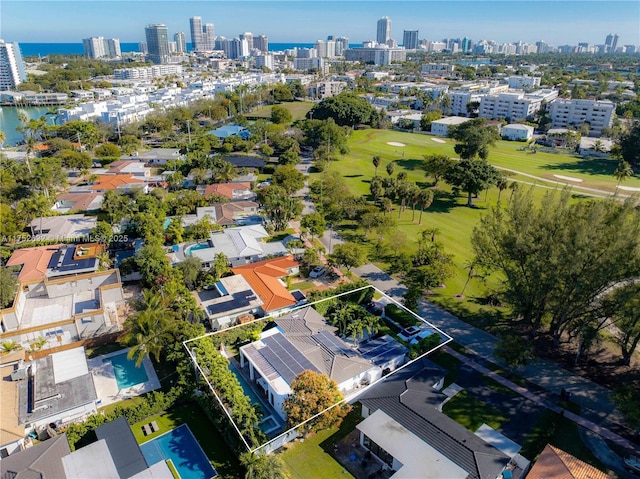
42	461
409	398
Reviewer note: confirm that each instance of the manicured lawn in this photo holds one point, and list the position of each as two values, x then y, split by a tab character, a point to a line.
310	460
302	285
448	213
472	413
298	109
222	458
560	432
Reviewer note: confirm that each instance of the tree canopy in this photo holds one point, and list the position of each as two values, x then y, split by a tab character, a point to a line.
557	258
471	176
630	145
473	138
346	109
312	393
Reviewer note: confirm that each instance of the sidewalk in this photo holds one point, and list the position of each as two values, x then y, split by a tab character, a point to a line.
594	399
604	432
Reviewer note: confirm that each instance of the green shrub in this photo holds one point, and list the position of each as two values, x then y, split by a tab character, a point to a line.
400	316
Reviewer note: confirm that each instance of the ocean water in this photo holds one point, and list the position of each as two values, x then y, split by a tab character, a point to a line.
43	49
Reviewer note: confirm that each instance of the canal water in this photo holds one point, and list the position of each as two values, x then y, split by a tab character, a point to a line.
9	121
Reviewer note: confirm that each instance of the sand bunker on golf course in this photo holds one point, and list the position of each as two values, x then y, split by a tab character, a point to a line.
395	143
628	188
438	140
568	178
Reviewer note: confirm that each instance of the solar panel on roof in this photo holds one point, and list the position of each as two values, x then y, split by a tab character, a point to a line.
285	358
333	343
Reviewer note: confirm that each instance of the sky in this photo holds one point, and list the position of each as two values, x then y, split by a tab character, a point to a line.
557	22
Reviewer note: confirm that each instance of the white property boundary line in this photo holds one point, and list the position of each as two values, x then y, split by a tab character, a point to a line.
447	340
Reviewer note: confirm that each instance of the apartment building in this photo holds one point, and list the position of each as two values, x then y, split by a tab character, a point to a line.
460	99
510	106
598	114
523	82
12	71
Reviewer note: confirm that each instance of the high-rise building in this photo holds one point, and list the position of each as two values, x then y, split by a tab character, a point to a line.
209	37
326	48
248	36
197	41
142	47
384	30
611	43
410	39
12	71
181	42
342	44
112	47
465	45
261	42
158	43
98	47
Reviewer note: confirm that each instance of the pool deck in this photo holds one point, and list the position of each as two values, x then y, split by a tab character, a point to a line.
106	385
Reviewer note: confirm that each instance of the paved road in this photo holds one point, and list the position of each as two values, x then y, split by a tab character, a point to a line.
593	398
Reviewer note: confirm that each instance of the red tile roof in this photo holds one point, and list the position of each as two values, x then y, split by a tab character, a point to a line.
225	189
556	463
263	278
34	261
111	182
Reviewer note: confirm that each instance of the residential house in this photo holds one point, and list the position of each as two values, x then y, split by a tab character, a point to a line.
228	299
57	389
129	167
33	262
554	462
156	156
124	182
406	432
69	202
57	311
303	341
264	278
441	127
231	130
590	146
67	227
232	191
517	132
244	244
42	461
251	162
225	214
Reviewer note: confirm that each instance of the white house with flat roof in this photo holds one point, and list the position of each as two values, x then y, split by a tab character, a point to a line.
441	127
517	132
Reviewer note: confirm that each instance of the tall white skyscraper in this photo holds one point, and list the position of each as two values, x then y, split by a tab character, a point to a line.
384	30
94	47
209	37
112	47
12	71
342	44
248	36
611	42
181	42
197	43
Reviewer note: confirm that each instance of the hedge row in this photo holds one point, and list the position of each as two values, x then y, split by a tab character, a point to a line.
400	316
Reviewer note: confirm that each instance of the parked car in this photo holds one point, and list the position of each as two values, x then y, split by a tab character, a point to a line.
317	272
374	308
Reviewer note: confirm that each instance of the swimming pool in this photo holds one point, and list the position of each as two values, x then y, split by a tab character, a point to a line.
248	391
195	247
126	372
181	447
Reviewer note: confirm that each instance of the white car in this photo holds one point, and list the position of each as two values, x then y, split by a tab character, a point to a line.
317	272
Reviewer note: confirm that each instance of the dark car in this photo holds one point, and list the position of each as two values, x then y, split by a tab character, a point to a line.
374	308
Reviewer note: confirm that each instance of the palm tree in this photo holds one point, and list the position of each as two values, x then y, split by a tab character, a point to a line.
502	184
425	199
470	265
622	172
387	205
10	345
430	232
225	172
34	207
148	331
376	163
413	197
390	167
262	466
356	330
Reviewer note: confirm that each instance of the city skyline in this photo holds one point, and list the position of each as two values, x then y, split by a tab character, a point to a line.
557	23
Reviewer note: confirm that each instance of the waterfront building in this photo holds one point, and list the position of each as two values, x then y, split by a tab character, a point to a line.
261	42
12	71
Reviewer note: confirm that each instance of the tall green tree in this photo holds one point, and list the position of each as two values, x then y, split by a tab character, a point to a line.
622	307
630	145
288	177
473	139
312	393
622	172
147	332
471	176
436	166
8	287
557	258
350	255
278	206
280	115
346	109
314	223
263	466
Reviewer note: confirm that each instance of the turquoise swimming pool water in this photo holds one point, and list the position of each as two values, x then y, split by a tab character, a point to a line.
196	247
126	372
185	453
